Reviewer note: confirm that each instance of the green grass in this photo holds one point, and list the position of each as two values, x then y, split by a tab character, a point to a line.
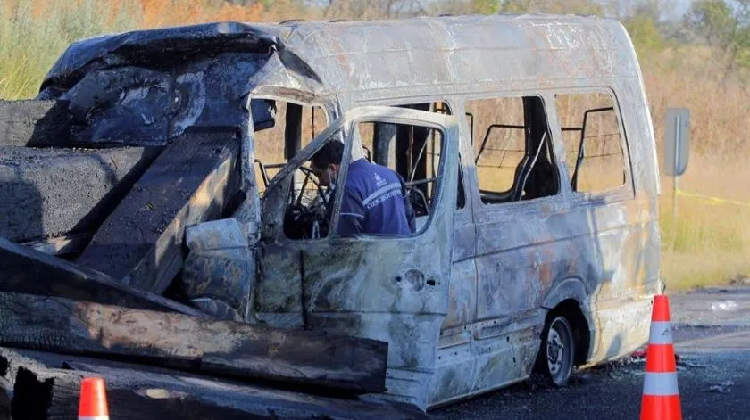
29	45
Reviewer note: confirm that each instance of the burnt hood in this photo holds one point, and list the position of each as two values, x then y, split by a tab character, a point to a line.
145	87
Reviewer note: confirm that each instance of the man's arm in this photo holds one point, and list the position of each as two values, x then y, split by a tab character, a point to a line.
352	214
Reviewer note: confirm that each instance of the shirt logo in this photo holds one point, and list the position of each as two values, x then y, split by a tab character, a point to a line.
380	181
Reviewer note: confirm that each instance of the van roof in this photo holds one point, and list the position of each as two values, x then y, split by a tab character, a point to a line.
474	51
418	55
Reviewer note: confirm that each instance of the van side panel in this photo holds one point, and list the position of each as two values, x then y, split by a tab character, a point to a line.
621	308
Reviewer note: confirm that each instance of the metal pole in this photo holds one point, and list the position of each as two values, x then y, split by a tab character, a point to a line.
675	182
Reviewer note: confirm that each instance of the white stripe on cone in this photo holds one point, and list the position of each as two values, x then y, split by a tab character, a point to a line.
661	333
661	384
93	417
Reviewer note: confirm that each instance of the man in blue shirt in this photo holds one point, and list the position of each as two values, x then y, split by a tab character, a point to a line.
374	200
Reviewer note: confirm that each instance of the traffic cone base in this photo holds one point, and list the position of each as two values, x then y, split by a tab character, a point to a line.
661	407
92	404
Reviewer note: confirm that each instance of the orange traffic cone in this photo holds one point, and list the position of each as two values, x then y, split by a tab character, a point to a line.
661	397
93	401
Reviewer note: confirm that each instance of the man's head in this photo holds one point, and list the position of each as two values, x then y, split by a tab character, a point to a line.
326	162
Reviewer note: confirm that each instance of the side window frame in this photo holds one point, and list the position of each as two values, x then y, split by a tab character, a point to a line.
329	113
623	192
473	193
273	203
453	107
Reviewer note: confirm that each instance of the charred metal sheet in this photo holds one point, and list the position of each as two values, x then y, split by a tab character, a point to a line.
218	275
145	87
137	105
49	193
444	55
192	181
142	392
278	292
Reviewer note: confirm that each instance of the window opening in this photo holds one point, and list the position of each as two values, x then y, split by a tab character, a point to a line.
414	155
374	199
310	205
407	168
592	141
293	127
513	149
413	152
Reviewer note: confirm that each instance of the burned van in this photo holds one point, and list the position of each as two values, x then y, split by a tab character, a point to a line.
527	154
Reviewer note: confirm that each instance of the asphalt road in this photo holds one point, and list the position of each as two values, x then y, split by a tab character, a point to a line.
712	340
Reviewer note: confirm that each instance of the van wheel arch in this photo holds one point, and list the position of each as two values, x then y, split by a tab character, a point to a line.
570	311
565	299
571	288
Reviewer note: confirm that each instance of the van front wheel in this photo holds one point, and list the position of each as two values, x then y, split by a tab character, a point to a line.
557	352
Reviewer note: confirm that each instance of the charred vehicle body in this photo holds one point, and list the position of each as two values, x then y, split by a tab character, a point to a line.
525	144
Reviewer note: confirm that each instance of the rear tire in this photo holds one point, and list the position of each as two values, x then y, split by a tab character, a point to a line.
557	352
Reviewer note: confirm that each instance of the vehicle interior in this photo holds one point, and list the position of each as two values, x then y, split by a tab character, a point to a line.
510	136
513	149
412	152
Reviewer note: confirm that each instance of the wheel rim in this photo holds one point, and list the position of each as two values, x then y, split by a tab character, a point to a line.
559	351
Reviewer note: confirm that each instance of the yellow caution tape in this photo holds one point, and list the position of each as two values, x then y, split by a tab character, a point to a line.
712	200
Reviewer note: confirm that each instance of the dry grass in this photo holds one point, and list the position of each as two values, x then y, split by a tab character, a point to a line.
707	243
161	13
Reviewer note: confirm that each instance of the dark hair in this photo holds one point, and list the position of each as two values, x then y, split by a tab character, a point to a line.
331	152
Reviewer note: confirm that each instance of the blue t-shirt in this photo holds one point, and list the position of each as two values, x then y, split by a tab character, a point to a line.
373	202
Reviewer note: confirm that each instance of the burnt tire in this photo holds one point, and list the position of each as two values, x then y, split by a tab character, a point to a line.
557	353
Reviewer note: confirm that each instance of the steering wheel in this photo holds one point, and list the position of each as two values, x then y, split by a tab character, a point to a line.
418	200
309	176
306	222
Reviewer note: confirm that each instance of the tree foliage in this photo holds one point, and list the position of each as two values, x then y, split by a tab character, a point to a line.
645	34
584	7
725	25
